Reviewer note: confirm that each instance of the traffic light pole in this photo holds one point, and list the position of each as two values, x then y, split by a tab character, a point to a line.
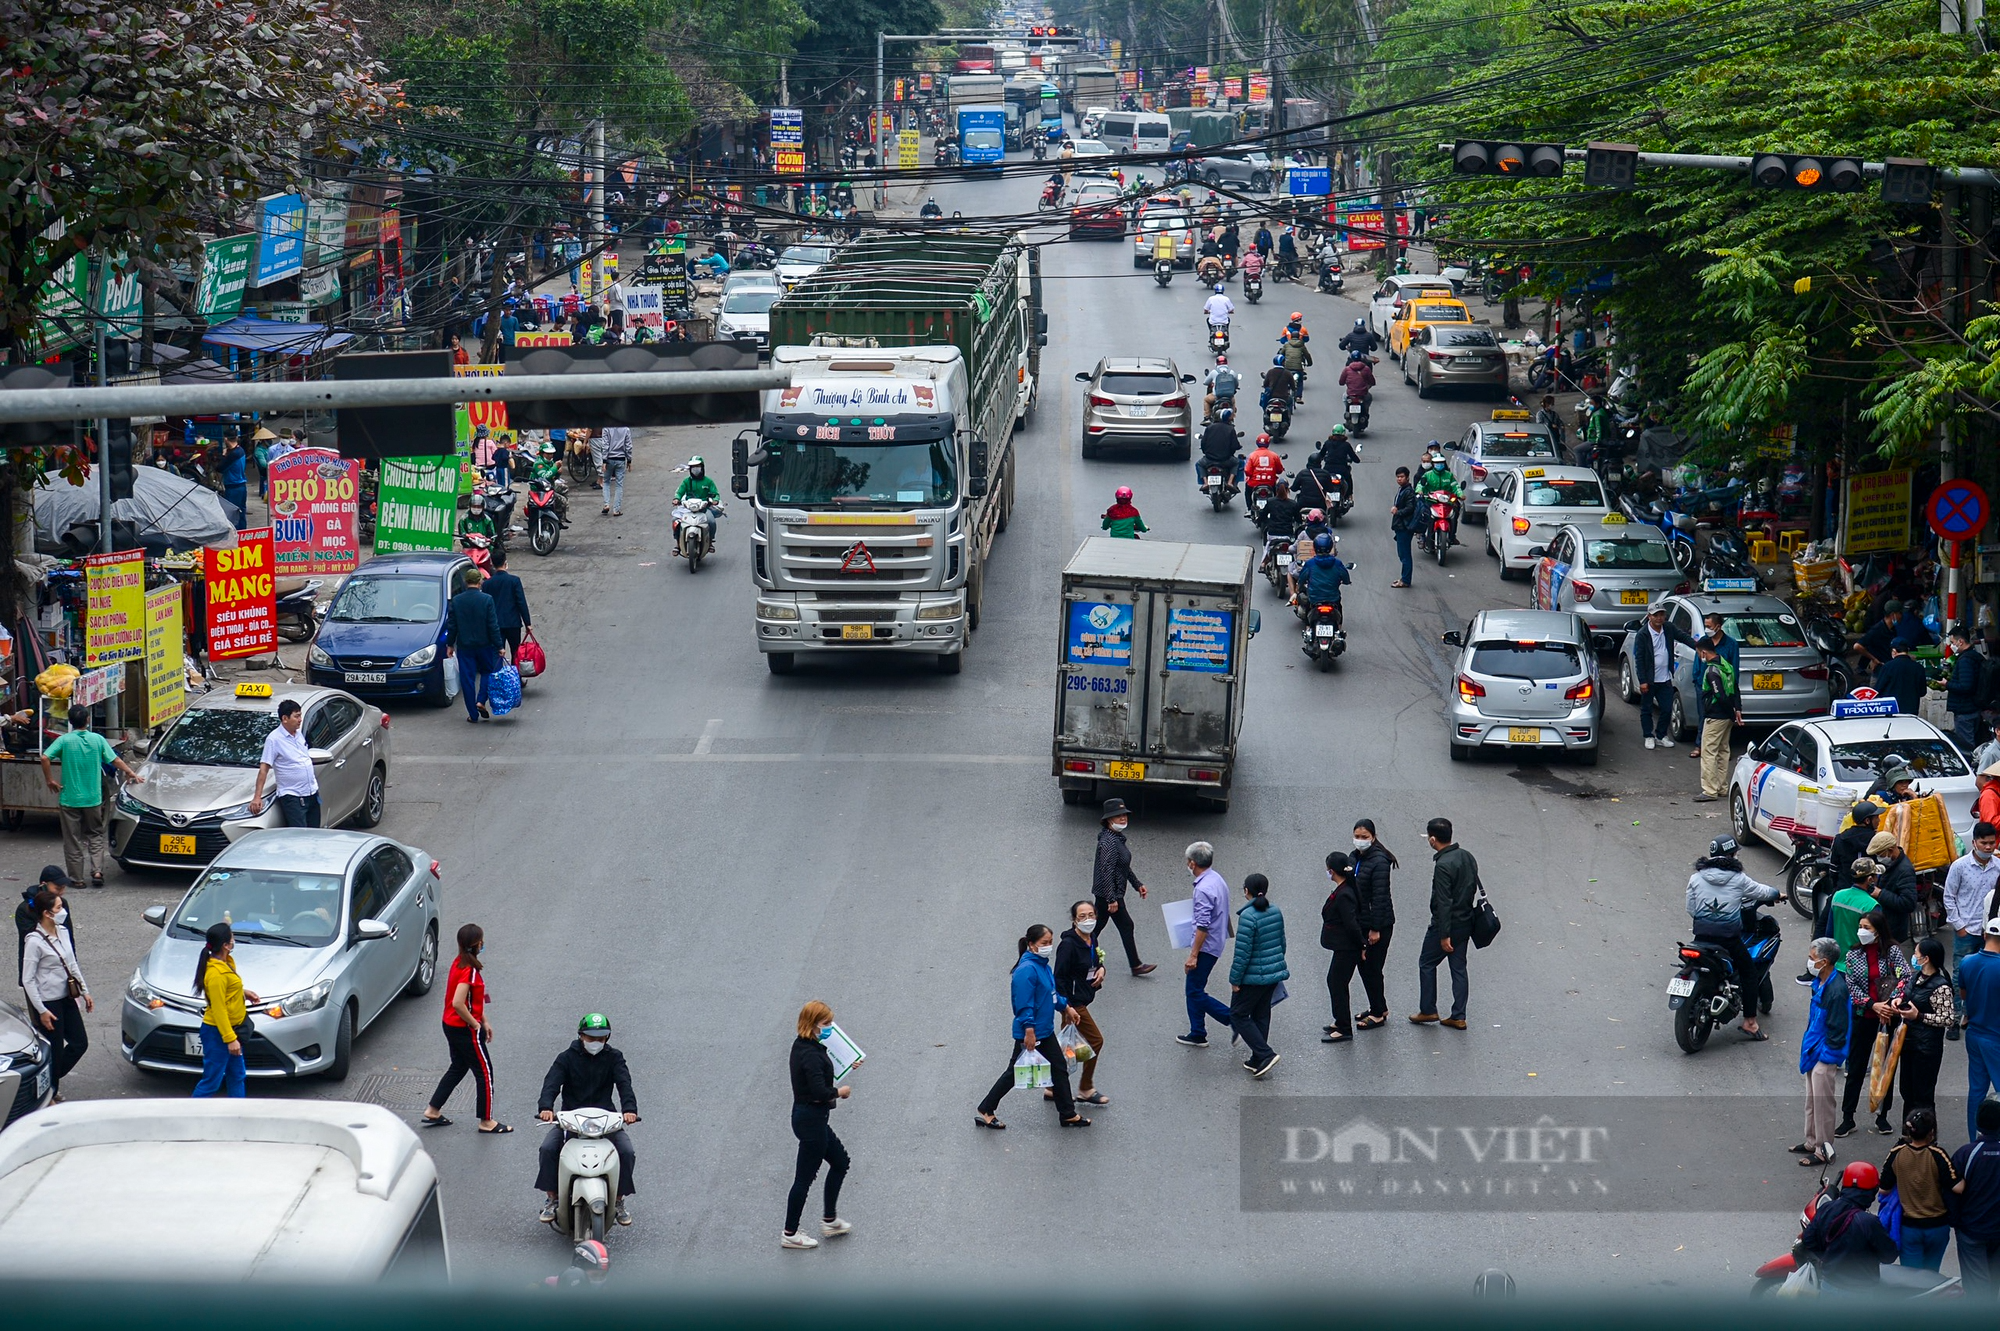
77	404
1964	175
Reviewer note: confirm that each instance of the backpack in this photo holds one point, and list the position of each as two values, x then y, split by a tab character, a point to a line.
1226	383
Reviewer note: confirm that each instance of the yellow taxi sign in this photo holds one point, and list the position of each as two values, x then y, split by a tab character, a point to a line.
1614	519
1533	473
253	690
1512	414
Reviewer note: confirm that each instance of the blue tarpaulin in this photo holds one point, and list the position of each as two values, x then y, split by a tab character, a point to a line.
274	337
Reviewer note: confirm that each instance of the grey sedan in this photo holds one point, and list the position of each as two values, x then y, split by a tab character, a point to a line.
1780	675
330	927
1525	679
1606	572
25	1084
1488	448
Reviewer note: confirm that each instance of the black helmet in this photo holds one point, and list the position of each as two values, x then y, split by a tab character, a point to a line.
1722	848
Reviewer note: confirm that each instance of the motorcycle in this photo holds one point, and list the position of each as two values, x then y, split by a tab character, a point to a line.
1278	417
1048	199
1277	564
1217	484
1357	415
1331	279
1829	635
1041	149
1260	503
1437	537
1253	288
478	549
694	529
1897	1282
548	514
1806	870
1709	993
587	1172
1163	271
298	612
1323	638
1218	339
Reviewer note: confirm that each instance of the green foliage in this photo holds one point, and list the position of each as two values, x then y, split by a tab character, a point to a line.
842	45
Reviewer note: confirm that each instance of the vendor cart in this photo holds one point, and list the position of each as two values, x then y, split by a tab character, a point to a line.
24	790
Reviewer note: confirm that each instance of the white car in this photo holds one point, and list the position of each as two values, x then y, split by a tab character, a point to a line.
1531	505
1850	750
745	314
1090	148
1388	299
798	262
1093	116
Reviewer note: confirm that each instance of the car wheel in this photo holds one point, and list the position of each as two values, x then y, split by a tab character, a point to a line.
1739	818
1258	184
427	965
1628	687
1585	757
370	812
1214	178
343	1047
1089	449
1423	381
1404	362
1677	721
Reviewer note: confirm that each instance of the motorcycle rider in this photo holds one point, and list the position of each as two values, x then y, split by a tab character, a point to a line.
932	208
1220	444
1222	385
475	520
1294	355
1262	467
1328	261
1278	382
697	484
1295	326
1253	266
1358	378
1163	248
1436	476
585	1075
1282	516
548	463
1122	520
1849	1242
1361	339
1720	897
1288	255
1219	309
1320	578
1232	240
1337	456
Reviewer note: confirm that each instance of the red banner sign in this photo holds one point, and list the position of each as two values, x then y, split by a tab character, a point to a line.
313	501
242	597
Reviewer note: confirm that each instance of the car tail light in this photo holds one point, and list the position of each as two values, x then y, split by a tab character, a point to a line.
1813	672
385	720
1076	765
1177	400
434	868
1438	355
1692	954
1584	591
1099	400
1470	688
1580	692
1478	472
1521	526
1683	588
1204	774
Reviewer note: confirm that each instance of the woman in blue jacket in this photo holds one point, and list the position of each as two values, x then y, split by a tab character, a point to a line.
1034	993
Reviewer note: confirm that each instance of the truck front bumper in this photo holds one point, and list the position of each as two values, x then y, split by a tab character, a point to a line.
801	624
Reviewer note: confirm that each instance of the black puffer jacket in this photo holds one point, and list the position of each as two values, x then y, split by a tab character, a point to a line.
585	1081
1371	886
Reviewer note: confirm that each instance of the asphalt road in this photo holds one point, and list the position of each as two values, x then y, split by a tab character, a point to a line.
671	835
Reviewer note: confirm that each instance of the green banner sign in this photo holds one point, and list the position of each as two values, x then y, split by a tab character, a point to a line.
417	505
225	271
123	301
60	322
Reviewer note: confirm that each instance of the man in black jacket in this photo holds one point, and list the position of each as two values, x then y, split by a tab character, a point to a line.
585	1075
1653	669
1110	874
472	634
26	919
1896	889
1220	443
1403	522
1454	885
510	605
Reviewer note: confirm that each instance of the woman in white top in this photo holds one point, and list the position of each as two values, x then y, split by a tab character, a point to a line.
48	968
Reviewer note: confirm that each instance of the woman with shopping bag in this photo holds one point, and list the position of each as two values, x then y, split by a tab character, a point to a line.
1875	971
1928	1007
1079	973
1038	1058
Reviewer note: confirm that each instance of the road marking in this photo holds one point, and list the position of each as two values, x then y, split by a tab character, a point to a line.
565	759
708	734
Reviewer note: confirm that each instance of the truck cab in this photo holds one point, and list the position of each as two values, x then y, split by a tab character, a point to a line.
982	135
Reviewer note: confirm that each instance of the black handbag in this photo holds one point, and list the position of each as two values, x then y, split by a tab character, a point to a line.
1485	921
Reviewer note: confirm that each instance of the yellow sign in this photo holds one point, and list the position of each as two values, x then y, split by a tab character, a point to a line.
1614	520
1878	513
114	624
166	660
909	152
1530	473
1512	414
253	690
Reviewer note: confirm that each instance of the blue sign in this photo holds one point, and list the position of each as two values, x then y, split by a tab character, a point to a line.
1843	708
1729	584
788	127
1198	640
1315	180
281	238
1100	634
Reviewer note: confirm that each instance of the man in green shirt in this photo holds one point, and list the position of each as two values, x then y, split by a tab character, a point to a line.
1849	905
697	484
83	753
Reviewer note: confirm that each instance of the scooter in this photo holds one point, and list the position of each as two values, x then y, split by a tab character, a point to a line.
1048	199
1217	483
1323	638
1897	1282
298	612
587	1172
1163	271
694	529
478	549
1357	415
1331	280
1260	503
1277	565
1253	288
1709	993
1437	537
548	514
1278	417
1218	339
1041	148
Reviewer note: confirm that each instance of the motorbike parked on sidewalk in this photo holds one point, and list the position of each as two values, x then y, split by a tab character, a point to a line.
298	612
1709	993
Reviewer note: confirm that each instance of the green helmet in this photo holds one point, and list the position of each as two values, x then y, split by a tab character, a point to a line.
1339	432
594	1023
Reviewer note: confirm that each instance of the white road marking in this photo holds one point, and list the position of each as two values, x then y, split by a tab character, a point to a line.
708	734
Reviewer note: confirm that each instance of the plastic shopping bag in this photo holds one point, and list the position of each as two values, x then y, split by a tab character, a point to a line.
1075	1045
1032	1072
503	690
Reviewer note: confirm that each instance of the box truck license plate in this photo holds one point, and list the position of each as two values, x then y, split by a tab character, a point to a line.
857	632
1125	771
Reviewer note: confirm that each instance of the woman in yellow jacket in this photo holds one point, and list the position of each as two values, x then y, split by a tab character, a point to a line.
225	1022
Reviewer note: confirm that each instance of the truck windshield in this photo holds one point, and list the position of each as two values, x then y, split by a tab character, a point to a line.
982	138
799	474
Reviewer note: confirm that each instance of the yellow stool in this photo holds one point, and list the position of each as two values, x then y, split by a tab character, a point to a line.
1763	551
1790	539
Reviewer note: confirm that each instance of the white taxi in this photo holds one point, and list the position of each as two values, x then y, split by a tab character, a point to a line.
1531	505
1848	750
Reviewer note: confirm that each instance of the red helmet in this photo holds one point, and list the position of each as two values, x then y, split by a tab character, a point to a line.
1297	318
1263	441
1860	1174
1124	493
1222	358
1315	516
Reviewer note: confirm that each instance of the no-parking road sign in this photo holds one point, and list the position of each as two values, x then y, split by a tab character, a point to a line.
1957	511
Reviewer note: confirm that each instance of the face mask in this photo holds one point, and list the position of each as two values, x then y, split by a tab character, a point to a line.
61	914
1087	925
1044	949
1981	855
594	1046
1866	935
825	1033
1118	824
1362	843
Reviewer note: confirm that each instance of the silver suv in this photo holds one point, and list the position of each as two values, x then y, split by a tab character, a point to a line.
1137	400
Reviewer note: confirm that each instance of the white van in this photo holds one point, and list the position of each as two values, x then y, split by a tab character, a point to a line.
320	1191
1136	132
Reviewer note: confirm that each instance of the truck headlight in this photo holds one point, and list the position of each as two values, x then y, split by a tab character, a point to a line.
774	610
305	1000
423	656
317	656
951	609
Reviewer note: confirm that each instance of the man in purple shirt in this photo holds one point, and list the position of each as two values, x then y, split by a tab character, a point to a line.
1211	932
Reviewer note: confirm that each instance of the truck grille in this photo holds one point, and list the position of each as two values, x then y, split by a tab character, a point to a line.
851	615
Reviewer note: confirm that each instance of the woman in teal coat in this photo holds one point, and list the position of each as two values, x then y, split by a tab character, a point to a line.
1255	971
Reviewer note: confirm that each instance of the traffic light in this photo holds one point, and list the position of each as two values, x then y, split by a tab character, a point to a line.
1806	171
1611	165
118	438
658	409
1471	157
36	434
1908	180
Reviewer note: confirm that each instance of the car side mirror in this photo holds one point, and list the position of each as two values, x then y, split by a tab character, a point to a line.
320	756
1537	551
1634	625
1603	642
155	916
369	930
1256	622
1187	378
1452	639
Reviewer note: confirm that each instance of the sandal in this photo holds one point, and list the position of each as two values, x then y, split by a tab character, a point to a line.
1750	1037
1371	1022
1078	1122
1399	584
496	1129
981	1121
1094	1098
1800	1149
439	1122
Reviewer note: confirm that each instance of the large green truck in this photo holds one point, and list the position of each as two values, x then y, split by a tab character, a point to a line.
886	469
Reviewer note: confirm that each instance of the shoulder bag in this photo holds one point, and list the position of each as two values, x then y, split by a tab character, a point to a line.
1485	920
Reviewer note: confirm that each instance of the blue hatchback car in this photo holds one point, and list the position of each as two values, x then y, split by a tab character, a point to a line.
383	635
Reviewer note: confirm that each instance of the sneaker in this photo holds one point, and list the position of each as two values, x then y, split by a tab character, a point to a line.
834	1228
1846	1128
1882	1124
623	1215
1260	1069
1651	743
798	1241
1806	979
548	1215
1249	1065
1192	1041
1706	798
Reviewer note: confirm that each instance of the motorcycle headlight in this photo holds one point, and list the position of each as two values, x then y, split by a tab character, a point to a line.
317	656
305	1000
423	656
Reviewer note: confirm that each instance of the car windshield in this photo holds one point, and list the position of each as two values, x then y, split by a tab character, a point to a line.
1931	757
1464	337
217	737
805	254
1092	193
1769	629
1433	314
1525	660
1137	385
263	906
1517	444
1633	554
387	600
805	475
1092	148
1155	221
1564	492
756	300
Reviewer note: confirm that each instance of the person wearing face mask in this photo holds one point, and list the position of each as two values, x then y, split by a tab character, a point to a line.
26	917
1079	970
1822	1049
1968	891
1341	933
1256	969
466	1035
1110	875
1928	1007
53	983
585	1075
814	1098
1876	971
1373	863
1720	896
1032	988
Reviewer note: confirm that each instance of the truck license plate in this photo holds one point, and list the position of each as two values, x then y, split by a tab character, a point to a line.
1680	986
171	844
1774	680
1125	771
191	1044
365	677
1636	597
1524	735
856	632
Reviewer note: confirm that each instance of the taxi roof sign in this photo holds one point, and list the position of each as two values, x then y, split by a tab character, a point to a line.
1613	520
1844	708
1531	473
1512	414
253	690
1729	584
